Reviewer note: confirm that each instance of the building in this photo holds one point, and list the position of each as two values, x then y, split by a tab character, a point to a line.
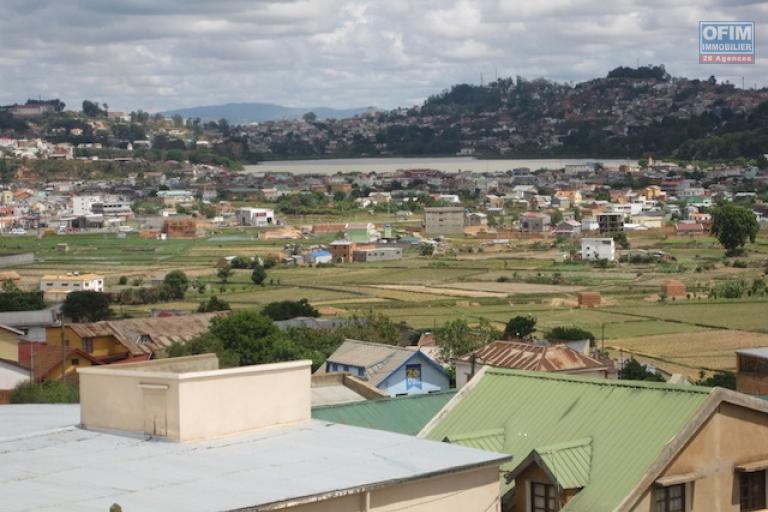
32	324
534	222
392	369
516	355
257	217
401	414
377	254
56	287
182	434
110	341
752	371
175	197
567	228
11	375
583	444
609	223
9	343
673	288
319	257
331	389
444	220
180	228
596	249
342	250
361	232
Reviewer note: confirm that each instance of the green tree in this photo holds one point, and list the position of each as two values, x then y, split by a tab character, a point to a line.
13	299
733	226
457	337
258	275
287	309
86	306
175	284
224	273
253	337
47	392
521	326
92	109
213	304
633	370
570	333
719	378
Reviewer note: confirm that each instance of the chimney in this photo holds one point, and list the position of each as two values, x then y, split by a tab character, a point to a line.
190	398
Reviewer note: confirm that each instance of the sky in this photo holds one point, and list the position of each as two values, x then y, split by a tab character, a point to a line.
162	54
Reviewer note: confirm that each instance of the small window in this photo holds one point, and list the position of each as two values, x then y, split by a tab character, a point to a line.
543	497
75	361
88	345
346	368
752	491
670	499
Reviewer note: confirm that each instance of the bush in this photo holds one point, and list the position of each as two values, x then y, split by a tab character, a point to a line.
123	280
213	304
739	264
502	279
48	392
287	309
570	333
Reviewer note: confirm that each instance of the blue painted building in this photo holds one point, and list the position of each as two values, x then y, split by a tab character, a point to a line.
395	370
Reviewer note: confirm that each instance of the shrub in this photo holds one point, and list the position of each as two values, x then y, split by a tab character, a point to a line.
48	392
123	280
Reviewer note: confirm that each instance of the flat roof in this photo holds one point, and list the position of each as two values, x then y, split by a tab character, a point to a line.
48	463
756	352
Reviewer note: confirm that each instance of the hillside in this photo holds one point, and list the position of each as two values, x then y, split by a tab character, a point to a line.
244	113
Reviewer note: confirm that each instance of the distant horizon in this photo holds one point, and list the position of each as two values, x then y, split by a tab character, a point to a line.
168	54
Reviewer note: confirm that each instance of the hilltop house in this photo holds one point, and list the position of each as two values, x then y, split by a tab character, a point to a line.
395	370
600	444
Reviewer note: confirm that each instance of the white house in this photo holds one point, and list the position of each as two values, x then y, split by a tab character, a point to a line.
56	287
12	374
595	249
259	217
81	205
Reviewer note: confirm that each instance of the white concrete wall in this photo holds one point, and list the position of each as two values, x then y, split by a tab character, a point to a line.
11	375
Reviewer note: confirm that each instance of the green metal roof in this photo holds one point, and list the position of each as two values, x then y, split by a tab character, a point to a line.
629	423
569	462
405	415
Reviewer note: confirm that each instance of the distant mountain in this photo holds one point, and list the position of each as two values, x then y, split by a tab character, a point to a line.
242	113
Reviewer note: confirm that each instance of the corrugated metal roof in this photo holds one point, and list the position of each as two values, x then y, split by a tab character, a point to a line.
527	356
629	422
378	359
569	462
404	415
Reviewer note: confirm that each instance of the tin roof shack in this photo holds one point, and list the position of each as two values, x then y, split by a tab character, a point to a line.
602	444
182	434
752	371
180	228
516	355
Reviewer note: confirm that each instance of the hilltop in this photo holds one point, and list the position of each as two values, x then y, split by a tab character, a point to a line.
244	113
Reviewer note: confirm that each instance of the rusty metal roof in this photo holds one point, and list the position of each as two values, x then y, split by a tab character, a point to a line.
147	335
516	355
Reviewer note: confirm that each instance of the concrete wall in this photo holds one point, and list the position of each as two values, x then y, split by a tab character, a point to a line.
469	491
11	375
732	436
431	379
164	398
12	260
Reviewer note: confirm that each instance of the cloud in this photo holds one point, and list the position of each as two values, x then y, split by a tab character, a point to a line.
161	54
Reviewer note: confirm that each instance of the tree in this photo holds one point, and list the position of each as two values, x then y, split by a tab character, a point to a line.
621	240
570	333
258	275
520	326
720	378
309	117
13	299
254	338
175	284
213	304
47	392
733	225
224	273
287	309
633	370
457	337
92	109
86	306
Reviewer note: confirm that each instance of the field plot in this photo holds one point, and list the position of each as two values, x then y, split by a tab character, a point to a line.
712	349
751	316
442	290
510	288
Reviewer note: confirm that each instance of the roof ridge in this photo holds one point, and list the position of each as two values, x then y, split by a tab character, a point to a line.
665	386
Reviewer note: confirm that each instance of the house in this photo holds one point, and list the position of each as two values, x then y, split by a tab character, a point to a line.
401	414
517	355
9	343
180	228
361	232
610	222
689	228
752	371
258	217
583	444
342	250
57	287
444	220
377	254
183	434
395	370
175	197
318	257
596	249
111	341
32	324
534	222
567	228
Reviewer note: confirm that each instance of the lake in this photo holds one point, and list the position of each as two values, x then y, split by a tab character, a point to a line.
446	164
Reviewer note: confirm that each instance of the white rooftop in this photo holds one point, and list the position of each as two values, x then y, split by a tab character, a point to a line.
48	463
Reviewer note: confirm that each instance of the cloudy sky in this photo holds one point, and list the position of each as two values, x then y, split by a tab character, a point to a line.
162	54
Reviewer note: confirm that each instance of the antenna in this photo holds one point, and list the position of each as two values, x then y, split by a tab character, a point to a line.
481	79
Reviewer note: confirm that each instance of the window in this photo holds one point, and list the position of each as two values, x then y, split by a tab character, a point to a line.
88	345
346	368
75	362
670	499
542	497
752	490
